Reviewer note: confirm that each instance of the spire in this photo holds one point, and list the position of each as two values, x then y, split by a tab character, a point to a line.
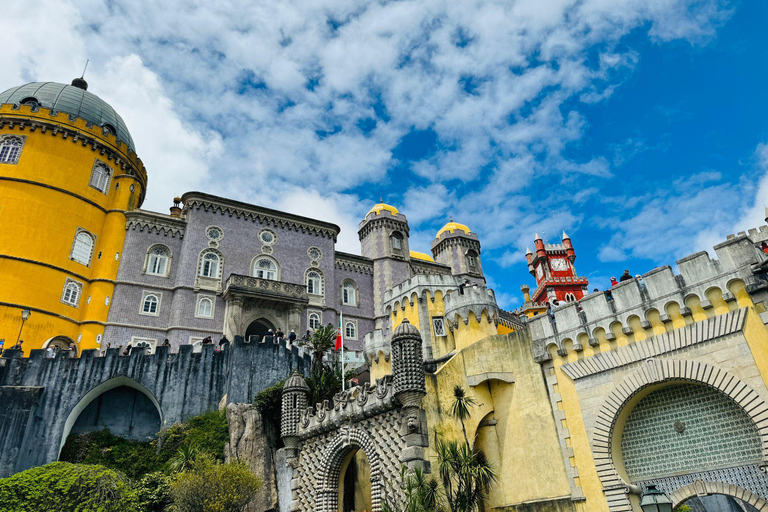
528	250
537	237
565	237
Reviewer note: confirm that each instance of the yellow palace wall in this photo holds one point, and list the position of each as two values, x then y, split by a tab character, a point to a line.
44	198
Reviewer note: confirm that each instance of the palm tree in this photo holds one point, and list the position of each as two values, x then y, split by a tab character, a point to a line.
421	494
466	474
323	339
460	408
185	459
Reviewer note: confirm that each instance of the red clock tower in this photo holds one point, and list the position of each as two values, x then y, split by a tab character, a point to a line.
552	266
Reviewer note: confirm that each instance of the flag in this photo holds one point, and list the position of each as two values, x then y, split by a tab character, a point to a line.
338	335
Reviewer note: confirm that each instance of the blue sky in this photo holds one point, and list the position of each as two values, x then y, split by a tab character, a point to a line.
637	126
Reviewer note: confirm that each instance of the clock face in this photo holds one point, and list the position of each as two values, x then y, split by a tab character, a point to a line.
539	272
559	264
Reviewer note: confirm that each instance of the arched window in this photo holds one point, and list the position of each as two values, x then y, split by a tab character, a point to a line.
100	177
149	305
350	330
265	268
472	259
109	128
71	294
82	248
158	257
205	307
314	282
349	294
210	265
396	239
10	149
314	320
569	297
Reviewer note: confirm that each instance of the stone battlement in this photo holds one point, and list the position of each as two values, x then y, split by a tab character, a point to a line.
418	285
472	299
352	405
661	292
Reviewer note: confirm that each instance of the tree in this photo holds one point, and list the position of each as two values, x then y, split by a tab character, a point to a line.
323	340
214	487
466	474
461	408
185	458
61	486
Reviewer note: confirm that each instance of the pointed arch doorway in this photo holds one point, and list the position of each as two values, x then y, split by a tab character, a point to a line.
258	327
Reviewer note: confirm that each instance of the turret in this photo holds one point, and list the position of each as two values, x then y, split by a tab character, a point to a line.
529	259
541	252
294	400
569	247
526	294
384	239
456	246
408	365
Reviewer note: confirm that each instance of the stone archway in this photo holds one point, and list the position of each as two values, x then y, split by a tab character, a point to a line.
99	390
61	342
259	327
346	442
655	371
701	488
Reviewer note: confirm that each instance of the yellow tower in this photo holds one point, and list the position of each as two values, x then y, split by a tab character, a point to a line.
68	174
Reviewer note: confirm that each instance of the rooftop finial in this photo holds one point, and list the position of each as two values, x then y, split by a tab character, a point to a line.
451	218
80	83
381	199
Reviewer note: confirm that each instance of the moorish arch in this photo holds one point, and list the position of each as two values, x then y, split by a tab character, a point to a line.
347	441
702	488
653	374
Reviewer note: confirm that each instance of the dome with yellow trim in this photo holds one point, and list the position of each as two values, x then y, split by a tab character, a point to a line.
451	227
380	207
421	256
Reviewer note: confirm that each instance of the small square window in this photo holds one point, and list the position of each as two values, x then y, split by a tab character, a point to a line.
438	325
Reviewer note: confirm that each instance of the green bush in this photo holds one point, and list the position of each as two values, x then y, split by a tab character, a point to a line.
269	403
153	492
134	458
214	487
207	432
65	487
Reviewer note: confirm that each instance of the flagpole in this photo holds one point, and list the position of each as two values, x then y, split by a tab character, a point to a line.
341	333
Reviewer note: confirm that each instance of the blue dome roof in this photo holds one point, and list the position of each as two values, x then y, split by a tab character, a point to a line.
71	99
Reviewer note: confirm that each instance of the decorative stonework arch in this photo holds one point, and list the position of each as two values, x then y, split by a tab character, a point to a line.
702	488
345	442
655	371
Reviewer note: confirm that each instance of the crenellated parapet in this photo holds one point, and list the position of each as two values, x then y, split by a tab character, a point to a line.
151	222
645	305
476	300
376	346
353	405
419	287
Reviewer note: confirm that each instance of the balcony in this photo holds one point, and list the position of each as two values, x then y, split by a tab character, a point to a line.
265	292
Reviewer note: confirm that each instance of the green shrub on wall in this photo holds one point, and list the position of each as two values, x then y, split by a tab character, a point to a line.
64	487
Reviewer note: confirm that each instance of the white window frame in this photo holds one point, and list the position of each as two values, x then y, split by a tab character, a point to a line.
319	284
144	295
77	285
347	286
95	180
438	320
353	323
78	232
8	152
152	342
319	318
201	298
570	297
255	271
201	264
148	262
471	259
197	343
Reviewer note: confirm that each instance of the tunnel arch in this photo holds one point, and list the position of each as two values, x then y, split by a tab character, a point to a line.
94	393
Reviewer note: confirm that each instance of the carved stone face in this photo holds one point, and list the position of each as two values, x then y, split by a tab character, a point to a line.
413	424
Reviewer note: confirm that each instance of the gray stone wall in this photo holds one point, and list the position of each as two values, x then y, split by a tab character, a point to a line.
43	398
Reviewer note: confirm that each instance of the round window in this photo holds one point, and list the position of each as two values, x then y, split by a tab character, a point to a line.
314	253
214	234
267	237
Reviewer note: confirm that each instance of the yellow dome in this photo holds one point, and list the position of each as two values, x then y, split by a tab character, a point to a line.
381	207
451	227
421	256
